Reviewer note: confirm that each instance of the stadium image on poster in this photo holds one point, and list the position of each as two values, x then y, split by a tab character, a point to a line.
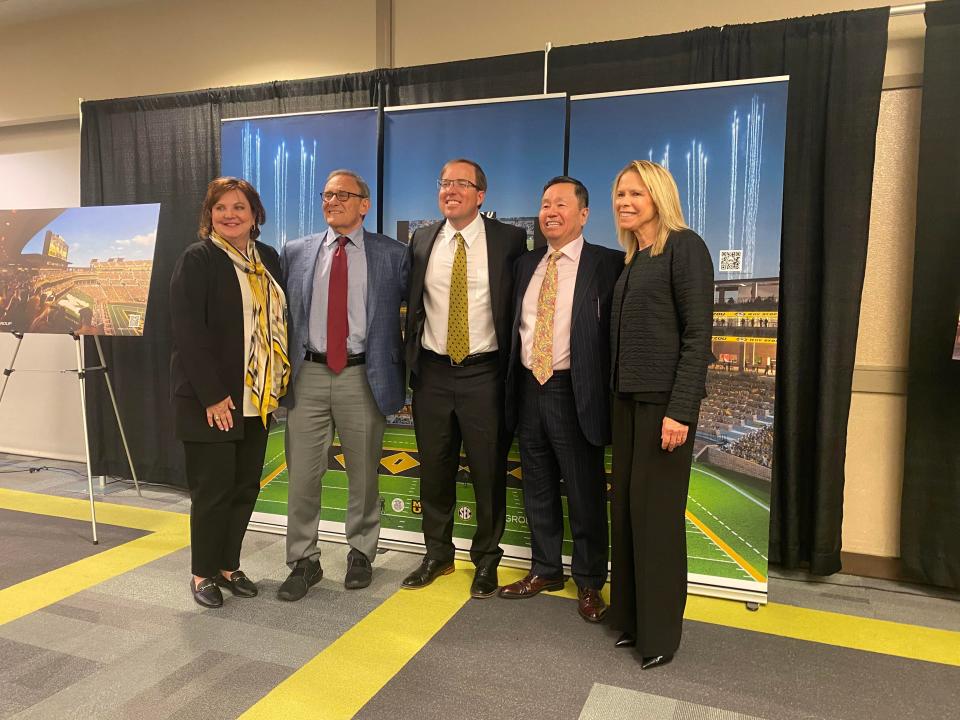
287	159
76	270
724	145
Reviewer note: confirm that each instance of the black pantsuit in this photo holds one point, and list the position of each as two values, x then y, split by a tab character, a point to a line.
648	591
660	335
453	405
208	364
553	447
224	481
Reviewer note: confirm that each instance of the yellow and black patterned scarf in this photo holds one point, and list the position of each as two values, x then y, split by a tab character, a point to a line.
268	367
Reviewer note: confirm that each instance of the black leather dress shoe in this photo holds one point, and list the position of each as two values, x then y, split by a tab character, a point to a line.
206	593
428	571
653	661
359	571
484	583
238	584
626	640
305	574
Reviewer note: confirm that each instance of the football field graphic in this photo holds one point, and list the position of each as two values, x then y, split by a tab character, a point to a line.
727	512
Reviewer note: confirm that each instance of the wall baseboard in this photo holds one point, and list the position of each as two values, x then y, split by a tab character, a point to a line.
873	566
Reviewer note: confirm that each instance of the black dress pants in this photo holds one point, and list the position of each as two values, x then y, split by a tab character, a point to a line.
454	405
648	569
552	446
224	481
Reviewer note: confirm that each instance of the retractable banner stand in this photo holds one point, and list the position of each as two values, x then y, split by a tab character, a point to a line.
287	158
519	142
724	145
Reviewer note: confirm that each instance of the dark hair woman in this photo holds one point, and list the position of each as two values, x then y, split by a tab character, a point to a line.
228	370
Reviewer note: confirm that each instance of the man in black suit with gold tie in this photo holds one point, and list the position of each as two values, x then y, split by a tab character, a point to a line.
558	389
458	344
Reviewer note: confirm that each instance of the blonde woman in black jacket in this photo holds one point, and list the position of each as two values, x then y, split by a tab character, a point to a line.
660	348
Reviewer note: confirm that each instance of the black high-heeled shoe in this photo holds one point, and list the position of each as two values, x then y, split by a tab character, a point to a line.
626	640
653	661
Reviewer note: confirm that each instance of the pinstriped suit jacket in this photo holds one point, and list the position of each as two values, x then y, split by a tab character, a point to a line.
589	337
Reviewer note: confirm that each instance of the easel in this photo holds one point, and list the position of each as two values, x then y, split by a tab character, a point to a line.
81	372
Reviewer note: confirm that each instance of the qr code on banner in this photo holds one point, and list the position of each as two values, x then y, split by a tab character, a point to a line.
133	321
731	261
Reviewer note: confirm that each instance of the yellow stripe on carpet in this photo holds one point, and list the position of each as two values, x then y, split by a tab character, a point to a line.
858	633
169	532
348	673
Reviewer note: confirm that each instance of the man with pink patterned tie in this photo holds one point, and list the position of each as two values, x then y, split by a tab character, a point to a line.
558	393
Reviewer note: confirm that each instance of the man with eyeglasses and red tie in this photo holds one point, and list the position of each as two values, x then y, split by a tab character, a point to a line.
344	290
458	345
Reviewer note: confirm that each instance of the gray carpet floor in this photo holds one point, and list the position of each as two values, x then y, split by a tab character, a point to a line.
538	659
137	646
35	544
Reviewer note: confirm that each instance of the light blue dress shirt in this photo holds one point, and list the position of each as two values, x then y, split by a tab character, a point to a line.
356	293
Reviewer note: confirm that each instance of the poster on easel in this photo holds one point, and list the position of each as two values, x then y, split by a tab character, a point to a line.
77	270
724	145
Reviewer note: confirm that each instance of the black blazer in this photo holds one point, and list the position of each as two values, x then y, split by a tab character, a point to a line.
663	322
589	337
505	243
207	364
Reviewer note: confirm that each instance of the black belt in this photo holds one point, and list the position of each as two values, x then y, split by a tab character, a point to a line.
358	359
474	359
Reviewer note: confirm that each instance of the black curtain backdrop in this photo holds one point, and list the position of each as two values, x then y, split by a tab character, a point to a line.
930	513
835	63
166	149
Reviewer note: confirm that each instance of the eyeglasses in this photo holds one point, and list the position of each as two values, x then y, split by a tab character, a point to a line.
341	195
461	184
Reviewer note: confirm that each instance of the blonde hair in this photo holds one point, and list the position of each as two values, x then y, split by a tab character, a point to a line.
666	199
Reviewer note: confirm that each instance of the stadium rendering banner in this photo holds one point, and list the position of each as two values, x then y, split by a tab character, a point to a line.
288	157
724	145
520	142
76	270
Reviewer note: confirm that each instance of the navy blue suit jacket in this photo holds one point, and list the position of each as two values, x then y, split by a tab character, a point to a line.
589	337
388	268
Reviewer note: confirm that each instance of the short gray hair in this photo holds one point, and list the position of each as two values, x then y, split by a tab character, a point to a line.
364	188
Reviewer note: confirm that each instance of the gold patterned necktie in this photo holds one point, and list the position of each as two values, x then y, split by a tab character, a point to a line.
542	353
458	323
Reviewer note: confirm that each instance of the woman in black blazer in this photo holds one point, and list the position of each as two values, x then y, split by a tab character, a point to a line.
228	370
660	332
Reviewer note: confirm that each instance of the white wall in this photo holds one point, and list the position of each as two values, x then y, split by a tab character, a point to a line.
40	412
179	45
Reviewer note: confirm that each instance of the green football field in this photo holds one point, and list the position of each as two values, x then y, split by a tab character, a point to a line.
727	514
120	317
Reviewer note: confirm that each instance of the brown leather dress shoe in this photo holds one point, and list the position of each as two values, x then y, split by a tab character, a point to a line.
530	586
590	604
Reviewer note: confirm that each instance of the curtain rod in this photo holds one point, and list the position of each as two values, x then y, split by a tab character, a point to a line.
913	9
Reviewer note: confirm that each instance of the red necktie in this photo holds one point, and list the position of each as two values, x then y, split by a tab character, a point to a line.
337	309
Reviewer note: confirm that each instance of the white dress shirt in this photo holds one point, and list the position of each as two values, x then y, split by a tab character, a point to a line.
567	265
436	289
